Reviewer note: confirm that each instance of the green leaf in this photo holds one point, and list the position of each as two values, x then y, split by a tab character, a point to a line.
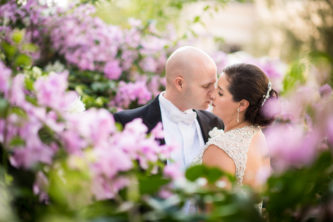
195	172
46	135
32	100
294	75
151	184
196	19
9	50
206	7
29	84
17	36
212	174
30	47
18	111
100	86
16	141
22	60
8	179
3	107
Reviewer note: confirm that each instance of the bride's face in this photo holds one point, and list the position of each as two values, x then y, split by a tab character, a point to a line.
223	104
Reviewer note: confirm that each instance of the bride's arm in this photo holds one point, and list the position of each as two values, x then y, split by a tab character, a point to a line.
216	157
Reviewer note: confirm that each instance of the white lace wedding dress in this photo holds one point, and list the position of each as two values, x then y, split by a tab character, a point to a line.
235	143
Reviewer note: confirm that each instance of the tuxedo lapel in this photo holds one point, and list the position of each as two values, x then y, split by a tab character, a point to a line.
153	116
203	126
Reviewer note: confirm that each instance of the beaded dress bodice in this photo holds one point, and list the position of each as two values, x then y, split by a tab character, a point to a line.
235	143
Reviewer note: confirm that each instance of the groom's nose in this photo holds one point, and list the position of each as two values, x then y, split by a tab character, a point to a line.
212	95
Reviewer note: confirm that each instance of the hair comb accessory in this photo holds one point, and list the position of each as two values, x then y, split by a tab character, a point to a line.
267	94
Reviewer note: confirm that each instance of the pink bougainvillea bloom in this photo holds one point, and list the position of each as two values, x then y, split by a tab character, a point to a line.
325	90
157	132
51	91
172	171
291	146
5	74
18	96
40	187
330	130
111	161
112	70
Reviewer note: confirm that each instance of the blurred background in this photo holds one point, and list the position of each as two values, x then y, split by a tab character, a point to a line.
67	65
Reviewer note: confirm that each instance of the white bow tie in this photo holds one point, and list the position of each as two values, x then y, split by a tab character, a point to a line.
186	117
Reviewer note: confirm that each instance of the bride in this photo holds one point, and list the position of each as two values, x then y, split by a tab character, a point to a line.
240	149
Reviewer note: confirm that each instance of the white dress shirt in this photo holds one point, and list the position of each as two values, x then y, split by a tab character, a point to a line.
183	130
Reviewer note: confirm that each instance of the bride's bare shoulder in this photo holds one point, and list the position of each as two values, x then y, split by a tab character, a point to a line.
215	156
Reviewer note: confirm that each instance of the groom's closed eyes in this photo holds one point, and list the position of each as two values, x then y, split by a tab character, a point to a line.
208	85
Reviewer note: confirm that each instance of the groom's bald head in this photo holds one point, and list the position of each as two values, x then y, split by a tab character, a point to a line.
190	78
184	60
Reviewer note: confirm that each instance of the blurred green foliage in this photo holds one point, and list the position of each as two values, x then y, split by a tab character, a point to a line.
163	12
302	194
317	17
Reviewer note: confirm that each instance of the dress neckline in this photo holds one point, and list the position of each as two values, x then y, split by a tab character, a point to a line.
241	128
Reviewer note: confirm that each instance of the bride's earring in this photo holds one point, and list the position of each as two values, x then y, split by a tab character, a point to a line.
238	115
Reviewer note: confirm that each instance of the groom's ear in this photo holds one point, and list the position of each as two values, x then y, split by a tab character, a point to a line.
243	104
179	82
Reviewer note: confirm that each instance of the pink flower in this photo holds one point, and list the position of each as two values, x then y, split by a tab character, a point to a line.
110	161
291	146
130	92
112	70
157	132
166	150
262	175
325	90
17	96
136	127
221	60
165	193
5	74
330	130
30	155
148	64
106	189
73	142
51	91
40	187
93	127
172	171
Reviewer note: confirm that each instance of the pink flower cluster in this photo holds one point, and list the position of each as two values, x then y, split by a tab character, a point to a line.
32	14
90	44
300	136
129	92
90	135
51	91
85	41
274	69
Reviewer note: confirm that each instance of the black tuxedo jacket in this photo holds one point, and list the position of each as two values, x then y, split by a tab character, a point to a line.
151	115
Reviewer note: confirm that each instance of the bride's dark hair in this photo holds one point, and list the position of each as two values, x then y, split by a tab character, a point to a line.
249	82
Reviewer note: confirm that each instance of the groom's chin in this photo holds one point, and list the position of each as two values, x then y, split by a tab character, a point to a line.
206	106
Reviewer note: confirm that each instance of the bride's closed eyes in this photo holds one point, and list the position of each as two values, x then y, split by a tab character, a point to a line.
219	91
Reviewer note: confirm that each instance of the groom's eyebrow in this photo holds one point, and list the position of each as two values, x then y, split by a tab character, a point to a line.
219	87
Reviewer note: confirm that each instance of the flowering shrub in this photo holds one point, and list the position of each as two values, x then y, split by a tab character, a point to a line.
63	159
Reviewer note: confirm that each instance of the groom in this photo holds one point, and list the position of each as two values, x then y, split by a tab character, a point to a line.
190	81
